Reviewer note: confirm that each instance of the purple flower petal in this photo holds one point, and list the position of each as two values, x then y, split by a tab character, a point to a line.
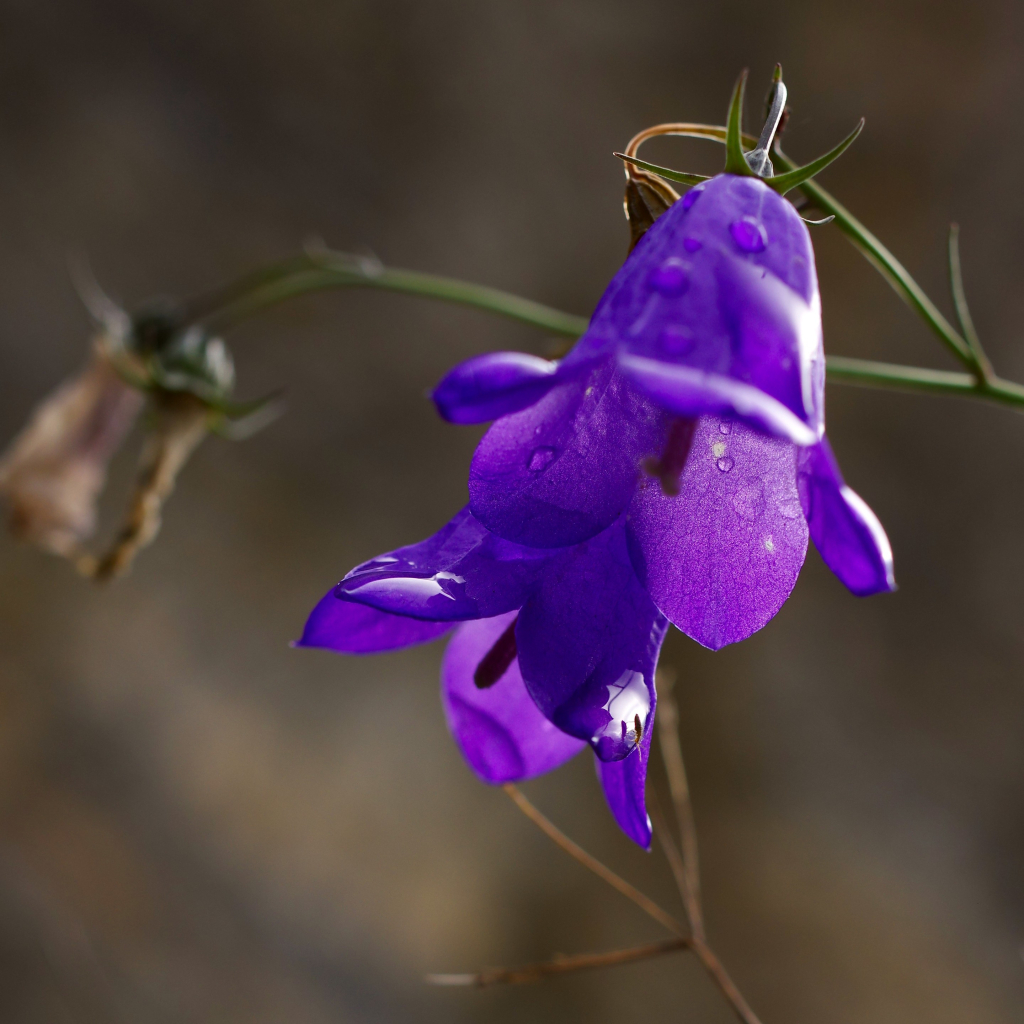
721	558
624	783
588	640
687	392
499	730
691	296
462	572
564	469
355	629
493	385
845	531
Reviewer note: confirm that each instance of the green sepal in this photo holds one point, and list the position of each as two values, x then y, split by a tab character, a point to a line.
783	183
817	223
665	172
735	160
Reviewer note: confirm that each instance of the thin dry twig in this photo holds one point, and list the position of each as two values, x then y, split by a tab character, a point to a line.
672	755
559	965
699	946
726	985
181	424
592	863
672	854
535	972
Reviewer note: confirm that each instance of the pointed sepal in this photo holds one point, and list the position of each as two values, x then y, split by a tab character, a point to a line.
783	183
683	177
735	159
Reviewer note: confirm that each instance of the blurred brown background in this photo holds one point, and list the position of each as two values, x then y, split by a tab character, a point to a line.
198	823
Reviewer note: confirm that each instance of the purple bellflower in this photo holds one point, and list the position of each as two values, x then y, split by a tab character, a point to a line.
669	469
555	648
703	364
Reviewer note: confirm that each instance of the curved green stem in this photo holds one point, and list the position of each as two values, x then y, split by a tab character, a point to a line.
313	273
321	271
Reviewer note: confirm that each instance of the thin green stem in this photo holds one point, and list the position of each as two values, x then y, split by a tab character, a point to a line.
869	373
313	273
321	271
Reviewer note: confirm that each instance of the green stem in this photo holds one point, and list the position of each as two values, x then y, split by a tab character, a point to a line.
320	273
869	373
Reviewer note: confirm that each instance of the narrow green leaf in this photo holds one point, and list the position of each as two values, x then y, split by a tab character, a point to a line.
735	161
963	313
664	172
782	183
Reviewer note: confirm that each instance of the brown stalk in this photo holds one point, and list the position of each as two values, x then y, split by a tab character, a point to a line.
592	863
559	965
672	755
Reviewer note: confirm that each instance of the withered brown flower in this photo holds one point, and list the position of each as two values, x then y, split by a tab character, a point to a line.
53	472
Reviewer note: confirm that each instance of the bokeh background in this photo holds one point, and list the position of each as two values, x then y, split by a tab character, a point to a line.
198	823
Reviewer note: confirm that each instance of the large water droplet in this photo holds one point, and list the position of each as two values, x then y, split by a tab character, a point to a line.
628	700
726	463
748	501
541	458
748	234
671	278
675	341
692	244
691	197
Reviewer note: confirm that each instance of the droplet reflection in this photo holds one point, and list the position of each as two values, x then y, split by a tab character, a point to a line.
541	458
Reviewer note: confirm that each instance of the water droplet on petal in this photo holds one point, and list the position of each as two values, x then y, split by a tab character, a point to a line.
748	234
541	458
725	463
675	341
671	278
748	501
769	545
725	426
692	244
691	197
790	509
